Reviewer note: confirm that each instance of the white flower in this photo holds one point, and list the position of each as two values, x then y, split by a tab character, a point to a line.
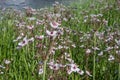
31	18
7	61
95	48
109	48
23	43
54	24
88	51
40	71
73	45
2	67
30	27
118	52
39	37
1	72
100	54
58	15
111	57
118	42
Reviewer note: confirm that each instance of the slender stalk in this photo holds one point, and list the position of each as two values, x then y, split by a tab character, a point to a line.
119	72
94	58
44	71
47	57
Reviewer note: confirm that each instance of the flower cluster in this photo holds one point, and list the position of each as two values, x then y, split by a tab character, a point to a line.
52	40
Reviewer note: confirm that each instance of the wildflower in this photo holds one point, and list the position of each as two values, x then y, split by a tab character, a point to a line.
73	45
54	24
65	19
2	67
109	48
7	61
74	68
31	18
1	72
54	66
111	57
58	15
31	39
30	27
52	33
116	47
39	22
39	37
95	48
105	21
88	51
100	54
40	71
23	43
117	42
18	38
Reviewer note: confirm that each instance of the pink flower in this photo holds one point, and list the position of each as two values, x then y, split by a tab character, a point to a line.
23	43
39	37
74	68
30	27
54	66
51	33
54	24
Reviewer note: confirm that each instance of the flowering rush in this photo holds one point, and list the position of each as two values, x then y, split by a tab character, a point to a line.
54	24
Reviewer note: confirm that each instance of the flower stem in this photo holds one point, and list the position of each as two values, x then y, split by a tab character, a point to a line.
119	72
94	58
47	57
44	71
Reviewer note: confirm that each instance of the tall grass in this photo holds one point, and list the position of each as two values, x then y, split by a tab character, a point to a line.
25	62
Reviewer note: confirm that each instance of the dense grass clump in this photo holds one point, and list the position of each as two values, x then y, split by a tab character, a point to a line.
79	42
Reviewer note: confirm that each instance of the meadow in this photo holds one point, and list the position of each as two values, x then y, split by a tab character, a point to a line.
76	42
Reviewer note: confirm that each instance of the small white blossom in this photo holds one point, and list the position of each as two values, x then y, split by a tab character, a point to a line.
88	51
30	27
100	54
111	58
23	43
40	71
7	61
39	37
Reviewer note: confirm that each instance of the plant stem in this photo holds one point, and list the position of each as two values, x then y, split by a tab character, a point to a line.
44	71
47	57
119	72
94	57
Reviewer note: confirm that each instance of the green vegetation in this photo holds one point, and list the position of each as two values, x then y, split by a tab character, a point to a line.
79	42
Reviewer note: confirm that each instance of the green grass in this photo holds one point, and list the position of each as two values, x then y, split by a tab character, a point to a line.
24	64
